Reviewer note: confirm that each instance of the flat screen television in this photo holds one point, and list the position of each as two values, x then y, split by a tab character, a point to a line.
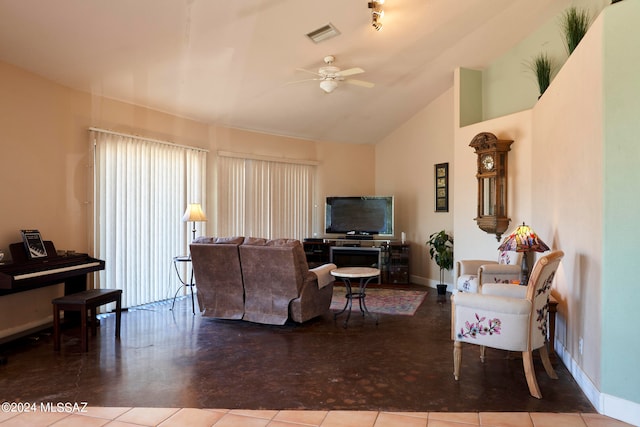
359	215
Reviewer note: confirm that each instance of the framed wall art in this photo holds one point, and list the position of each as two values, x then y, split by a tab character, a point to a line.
442	187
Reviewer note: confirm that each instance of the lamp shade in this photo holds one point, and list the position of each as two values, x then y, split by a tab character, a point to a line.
194	213
523	239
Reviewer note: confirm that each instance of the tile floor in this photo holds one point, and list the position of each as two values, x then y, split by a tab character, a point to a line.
166	417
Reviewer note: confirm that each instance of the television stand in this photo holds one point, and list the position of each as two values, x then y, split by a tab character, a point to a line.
356	256
392	257
358	237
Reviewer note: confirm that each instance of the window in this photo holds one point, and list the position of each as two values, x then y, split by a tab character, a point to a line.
264	198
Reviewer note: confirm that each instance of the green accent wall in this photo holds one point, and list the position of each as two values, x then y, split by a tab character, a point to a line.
509	84
621	210
470	96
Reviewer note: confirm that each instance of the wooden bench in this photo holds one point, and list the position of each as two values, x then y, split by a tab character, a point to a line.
83	301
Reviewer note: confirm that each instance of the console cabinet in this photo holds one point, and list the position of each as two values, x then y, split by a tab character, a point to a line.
398	263
392	258
317	252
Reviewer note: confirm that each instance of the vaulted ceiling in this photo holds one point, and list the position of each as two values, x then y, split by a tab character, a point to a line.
230	63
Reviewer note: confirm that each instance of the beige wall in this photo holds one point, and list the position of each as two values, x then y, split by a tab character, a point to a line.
568	194
471	242
405	168
45	168
344	170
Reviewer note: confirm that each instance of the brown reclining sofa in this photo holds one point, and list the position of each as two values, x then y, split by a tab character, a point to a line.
259	280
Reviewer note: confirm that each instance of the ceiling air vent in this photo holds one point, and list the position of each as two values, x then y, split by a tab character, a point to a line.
323	33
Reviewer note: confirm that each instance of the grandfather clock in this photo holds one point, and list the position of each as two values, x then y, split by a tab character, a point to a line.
492	182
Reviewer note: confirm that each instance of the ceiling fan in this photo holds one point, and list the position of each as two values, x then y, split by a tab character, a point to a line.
329	76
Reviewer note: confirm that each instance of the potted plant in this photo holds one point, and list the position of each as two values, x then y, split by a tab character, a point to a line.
541	67
441	250
575	23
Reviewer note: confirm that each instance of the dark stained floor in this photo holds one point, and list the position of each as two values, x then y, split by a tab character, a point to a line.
174	359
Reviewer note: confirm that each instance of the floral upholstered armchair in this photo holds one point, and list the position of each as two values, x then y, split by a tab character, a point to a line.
472	274
499	318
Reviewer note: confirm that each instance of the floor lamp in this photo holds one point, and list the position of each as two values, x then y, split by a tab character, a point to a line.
194	214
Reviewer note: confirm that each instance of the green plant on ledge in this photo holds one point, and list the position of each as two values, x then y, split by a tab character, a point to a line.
541	67
575	23
441	250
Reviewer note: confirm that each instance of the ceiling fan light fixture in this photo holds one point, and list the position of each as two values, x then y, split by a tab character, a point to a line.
328	85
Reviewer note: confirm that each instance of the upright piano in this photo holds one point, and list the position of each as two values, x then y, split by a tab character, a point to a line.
23	274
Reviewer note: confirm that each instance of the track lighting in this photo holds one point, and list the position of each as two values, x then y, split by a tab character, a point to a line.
376	13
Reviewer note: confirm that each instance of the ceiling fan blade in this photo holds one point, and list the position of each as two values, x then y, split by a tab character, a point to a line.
307	71
350	72
359	83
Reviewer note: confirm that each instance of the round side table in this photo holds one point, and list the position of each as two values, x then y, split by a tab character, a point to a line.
365	274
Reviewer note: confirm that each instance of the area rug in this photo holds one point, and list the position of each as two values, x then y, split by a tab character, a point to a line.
381	300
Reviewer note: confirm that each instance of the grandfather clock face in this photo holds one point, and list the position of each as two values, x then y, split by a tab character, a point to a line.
492	182
488	162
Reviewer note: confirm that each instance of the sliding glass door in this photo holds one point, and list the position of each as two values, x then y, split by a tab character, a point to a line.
141	189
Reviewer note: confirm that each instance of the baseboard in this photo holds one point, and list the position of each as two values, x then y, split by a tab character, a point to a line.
419	280
621	409
18	332
584	382
611	406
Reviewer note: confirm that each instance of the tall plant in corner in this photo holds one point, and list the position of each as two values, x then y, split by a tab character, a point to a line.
441	250
575	23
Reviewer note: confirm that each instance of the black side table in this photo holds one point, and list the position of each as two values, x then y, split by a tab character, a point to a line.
190	284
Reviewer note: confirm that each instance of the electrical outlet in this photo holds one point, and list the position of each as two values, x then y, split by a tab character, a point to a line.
580	345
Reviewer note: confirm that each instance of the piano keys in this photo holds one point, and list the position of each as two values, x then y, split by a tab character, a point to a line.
24	274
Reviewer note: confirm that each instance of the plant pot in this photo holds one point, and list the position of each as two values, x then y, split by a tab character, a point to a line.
442	289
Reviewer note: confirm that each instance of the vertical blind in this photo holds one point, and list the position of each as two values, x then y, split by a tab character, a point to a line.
261	198
141	189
